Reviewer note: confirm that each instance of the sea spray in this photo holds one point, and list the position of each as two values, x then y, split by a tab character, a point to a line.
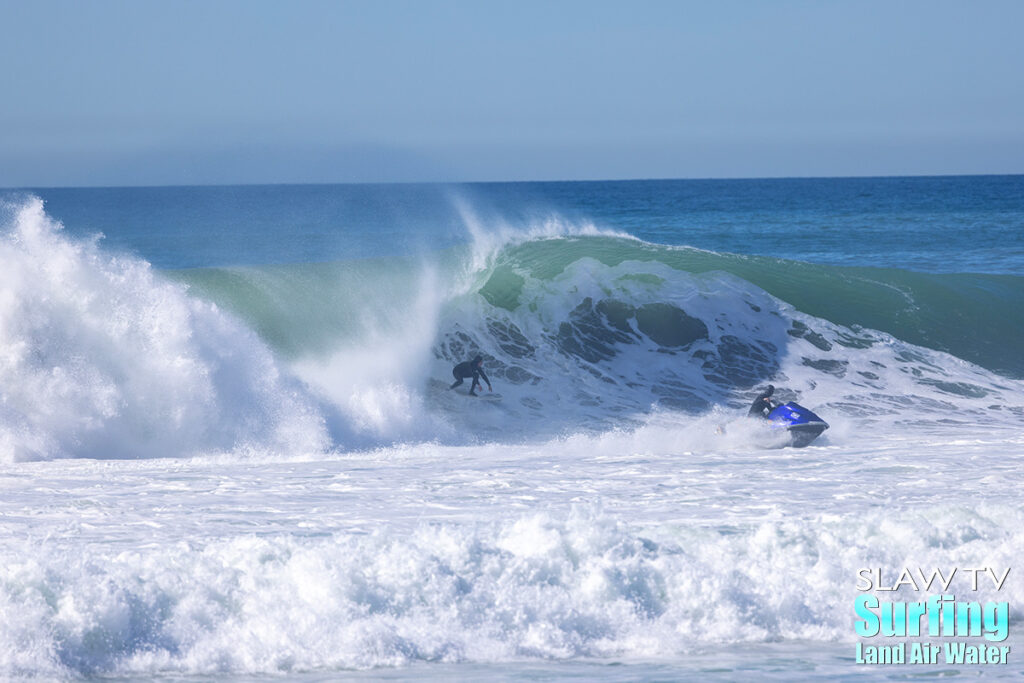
374	376
100	357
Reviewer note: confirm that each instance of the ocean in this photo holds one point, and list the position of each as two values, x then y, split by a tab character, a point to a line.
229	448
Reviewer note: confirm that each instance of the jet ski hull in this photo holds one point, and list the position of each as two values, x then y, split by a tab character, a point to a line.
801	425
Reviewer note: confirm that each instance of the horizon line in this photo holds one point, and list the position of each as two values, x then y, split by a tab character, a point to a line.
510	182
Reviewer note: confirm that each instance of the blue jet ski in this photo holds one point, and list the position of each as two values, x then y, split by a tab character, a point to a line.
802	424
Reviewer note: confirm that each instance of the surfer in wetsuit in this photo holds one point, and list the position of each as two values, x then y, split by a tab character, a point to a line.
763	404
471	368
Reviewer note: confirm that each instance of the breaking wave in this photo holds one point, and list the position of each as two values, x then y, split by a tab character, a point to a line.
581	330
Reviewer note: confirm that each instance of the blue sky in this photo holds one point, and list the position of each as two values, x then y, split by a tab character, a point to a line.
213	91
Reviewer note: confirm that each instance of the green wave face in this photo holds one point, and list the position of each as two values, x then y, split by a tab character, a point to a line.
312	309
979	318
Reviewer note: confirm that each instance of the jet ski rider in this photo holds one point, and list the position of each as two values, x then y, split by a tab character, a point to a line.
763	405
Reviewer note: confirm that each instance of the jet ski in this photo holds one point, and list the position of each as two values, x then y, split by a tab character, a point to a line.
802	425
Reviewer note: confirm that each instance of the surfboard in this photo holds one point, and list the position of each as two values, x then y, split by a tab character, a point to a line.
444	386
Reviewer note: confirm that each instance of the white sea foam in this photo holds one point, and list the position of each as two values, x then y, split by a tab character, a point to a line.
471	555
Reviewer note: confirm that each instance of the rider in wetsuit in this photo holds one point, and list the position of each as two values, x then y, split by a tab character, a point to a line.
763	404
471	368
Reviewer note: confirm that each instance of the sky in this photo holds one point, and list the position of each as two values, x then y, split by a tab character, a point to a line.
184	92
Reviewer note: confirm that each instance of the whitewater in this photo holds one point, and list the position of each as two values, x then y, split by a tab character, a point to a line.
249	469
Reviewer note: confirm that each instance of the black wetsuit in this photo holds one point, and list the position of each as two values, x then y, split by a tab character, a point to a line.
471	368
762	405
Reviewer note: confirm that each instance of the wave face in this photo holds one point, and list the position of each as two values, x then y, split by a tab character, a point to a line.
611	330
101	358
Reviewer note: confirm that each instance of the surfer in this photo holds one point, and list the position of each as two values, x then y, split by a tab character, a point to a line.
471	368
763	404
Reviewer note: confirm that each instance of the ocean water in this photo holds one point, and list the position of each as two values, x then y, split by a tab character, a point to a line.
229	448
